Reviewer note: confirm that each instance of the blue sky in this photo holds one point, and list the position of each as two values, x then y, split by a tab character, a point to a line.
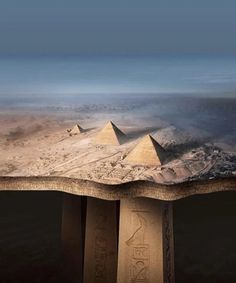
117	27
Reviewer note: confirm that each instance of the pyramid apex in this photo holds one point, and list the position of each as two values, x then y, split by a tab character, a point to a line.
110	123
149	136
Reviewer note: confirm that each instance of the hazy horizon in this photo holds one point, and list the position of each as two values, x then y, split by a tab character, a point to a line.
68	79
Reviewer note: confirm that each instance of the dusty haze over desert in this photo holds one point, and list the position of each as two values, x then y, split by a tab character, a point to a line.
197	134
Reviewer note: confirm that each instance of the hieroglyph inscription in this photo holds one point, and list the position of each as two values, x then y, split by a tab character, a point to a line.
100	249
141	241
100	264
139	248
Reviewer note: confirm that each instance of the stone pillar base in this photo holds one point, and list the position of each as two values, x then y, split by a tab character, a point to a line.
145	242
100	261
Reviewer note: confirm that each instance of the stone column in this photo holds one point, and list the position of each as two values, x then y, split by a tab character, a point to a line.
100	261
145	242
71	235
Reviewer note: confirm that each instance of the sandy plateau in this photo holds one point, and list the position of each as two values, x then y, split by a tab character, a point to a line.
33	145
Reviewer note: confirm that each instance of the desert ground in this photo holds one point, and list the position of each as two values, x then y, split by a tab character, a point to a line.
38	143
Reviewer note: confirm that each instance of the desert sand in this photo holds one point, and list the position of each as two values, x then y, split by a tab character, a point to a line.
34	144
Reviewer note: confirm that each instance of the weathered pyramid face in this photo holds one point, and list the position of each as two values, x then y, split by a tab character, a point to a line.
147	152
76	130
110	134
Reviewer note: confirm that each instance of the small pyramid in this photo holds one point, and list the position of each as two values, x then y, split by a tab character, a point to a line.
110	134
147	152
76	130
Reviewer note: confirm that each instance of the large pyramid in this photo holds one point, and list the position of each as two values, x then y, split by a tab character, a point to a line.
76	130
110	134
147	152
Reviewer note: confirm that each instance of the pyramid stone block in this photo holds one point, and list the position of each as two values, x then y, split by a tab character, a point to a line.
110	134
147	152
76	130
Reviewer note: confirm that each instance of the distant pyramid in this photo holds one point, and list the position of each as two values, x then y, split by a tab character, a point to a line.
147	152
110	134
76	130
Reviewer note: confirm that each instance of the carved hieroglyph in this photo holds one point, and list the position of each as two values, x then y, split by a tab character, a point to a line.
142	242
71	235
100	261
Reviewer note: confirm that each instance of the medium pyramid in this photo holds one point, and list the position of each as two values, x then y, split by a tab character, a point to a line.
110	134
147	152
76	130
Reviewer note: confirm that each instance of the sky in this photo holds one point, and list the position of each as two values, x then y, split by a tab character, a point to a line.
117	27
